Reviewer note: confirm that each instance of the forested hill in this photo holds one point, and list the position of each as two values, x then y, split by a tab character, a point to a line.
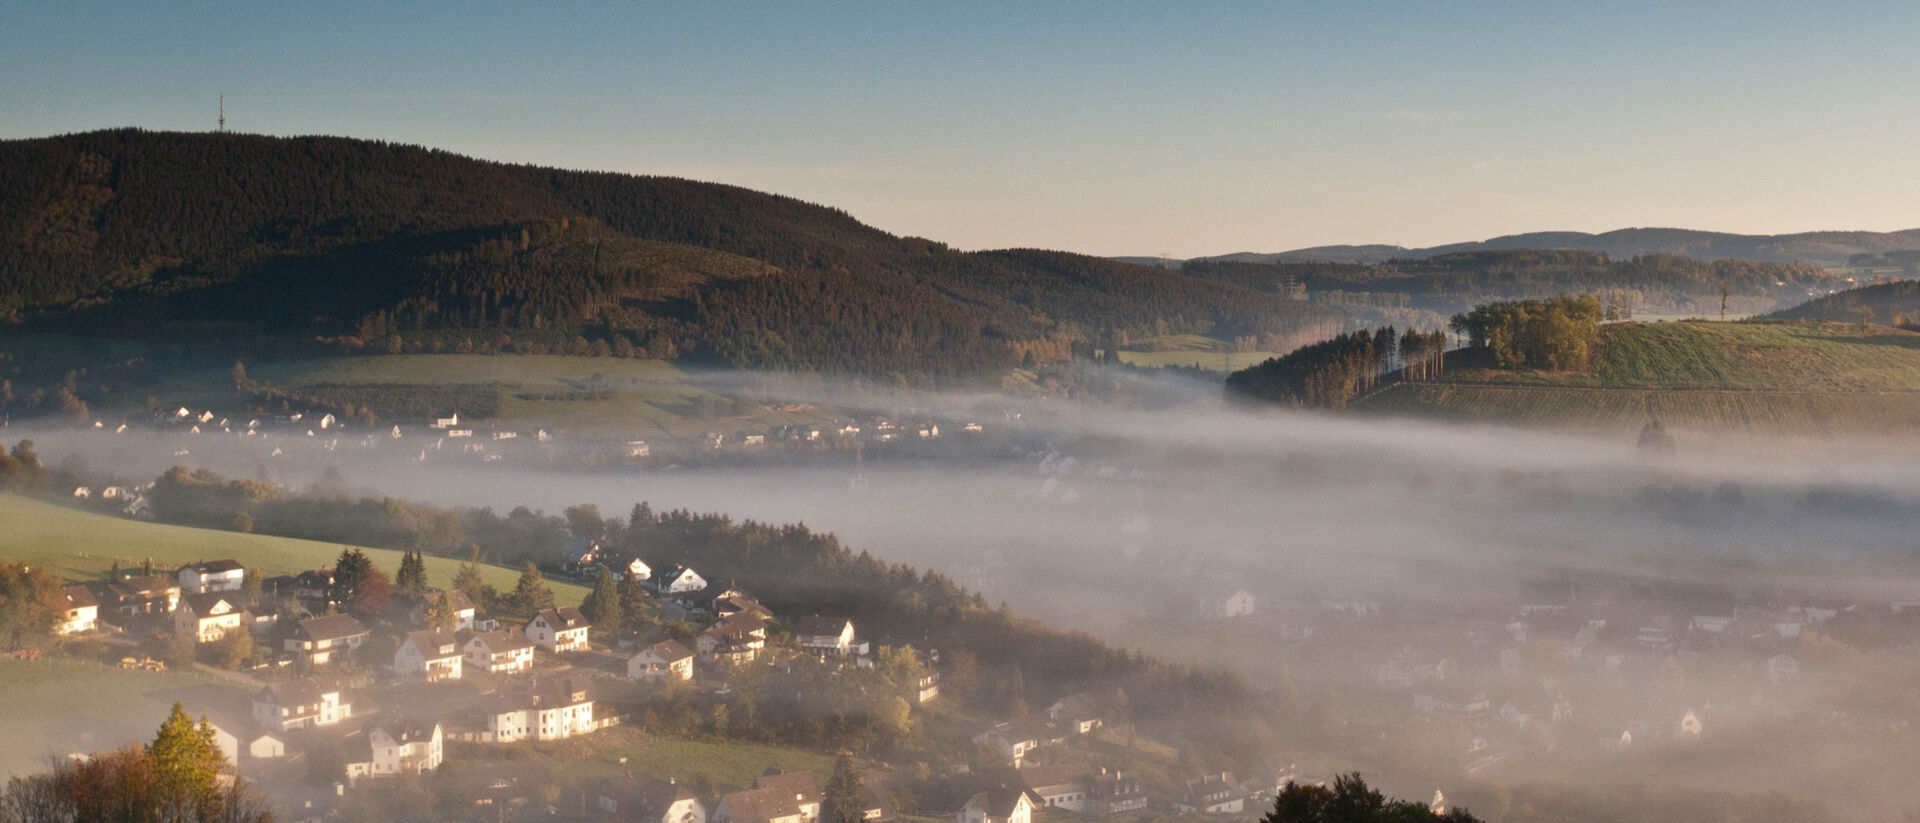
1896	303
1448	283
398	247
1821	248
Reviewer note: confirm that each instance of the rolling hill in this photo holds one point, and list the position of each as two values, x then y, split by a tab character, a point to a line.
1821	248
1752	377
1885	303
68	542
130	233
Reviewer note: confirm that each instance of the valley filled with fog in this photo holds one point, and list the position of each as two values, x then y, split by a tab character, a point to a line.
1490	605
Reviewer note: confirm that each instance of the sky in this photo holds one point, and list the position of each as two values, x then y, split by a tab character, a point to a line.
1178	129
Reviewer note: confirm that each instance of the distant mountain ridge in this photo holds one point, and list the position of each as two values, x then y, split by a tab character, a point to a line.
132	233
1822	248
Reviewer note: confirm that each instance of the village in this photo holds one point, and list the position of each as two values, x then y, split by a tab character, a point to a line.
339	705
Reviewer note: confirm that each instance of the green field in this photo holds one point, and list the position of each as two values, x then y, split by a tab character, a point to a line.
1748	356
58	705
1190	350
81	545
1754	378
646	397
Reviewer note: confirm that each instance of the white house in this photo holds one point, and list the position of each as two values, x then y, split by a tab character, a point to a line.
828	635
321	640
737	639
500	652
1001	805
1021	736
649	800
1235	604
679	580
447	422
392	749
82	614
637	569
537	709
427	657
208	617
463	610
559	630
667	659
299	704
242	740
212	576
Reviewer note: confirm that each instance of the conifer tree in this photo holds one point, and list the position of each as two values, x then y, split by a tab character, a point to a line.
840	800
186	766
443	617
531	594
468	579
411	581
602	606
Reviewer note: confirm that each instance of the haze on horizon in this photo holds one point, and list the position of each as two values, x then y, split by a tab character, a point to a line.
1086	127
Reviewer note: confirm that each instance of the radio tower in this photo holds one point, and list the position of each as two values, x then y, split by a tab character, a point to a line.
223	112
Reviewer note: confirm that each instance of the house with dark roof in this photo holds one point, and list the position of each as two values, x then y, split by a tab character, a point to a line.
828	636
394	748
665	660
737	639
299	704
499	652
463	609
212	576
579	555
322	640
149	594
758	806
82	614
800	785
540	708
649	800
1021	736
559	630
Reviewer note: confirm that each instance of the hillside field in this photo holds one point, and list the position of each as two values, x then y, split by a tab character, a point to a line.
82	546
1757	378
641	398
57	705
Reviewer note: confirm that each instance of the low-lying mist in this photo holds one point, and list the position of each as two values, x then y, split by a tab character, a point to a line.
1125	522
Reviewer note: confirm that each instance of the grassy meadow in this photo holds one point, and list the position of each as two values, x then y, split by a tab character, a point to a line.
1190	350
79	545
1757	378
57	705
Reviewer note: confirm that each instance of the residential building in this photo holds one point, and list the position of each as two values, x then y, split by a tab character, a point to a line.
737	639
1063	786
800	785
299	704
322	640
667	659
139	595
678	580
212	576
1021	736
577	555
427	657
997	805
208	617
559	630
82	614
758	806
500	652
649	800
539	708
828	635
463	610
395	748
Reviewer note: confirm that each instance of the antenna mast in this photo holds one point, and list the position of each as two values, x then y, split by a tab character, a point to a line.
223	112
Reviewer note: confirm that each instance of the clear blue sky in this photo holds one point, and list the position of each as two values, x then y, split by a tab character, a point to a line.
1108	128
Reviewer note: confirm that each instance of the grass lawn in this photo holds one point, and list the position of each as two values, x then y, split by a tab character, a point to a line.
79	545
1742	356
58	705
1189	350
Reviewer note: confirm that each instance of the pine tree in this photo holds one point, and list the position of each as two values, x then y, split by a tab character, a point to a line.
412	578
186	765
531	594
602	606
633	601
840	800
443	617
348	571
468	579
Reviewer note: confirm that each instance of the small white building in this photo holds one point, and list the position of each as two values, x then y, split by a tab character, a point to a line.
1001	805
679	580
828	635
394	749
299	704
82	614
427	657
563	629
208	617
212	576
665	660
